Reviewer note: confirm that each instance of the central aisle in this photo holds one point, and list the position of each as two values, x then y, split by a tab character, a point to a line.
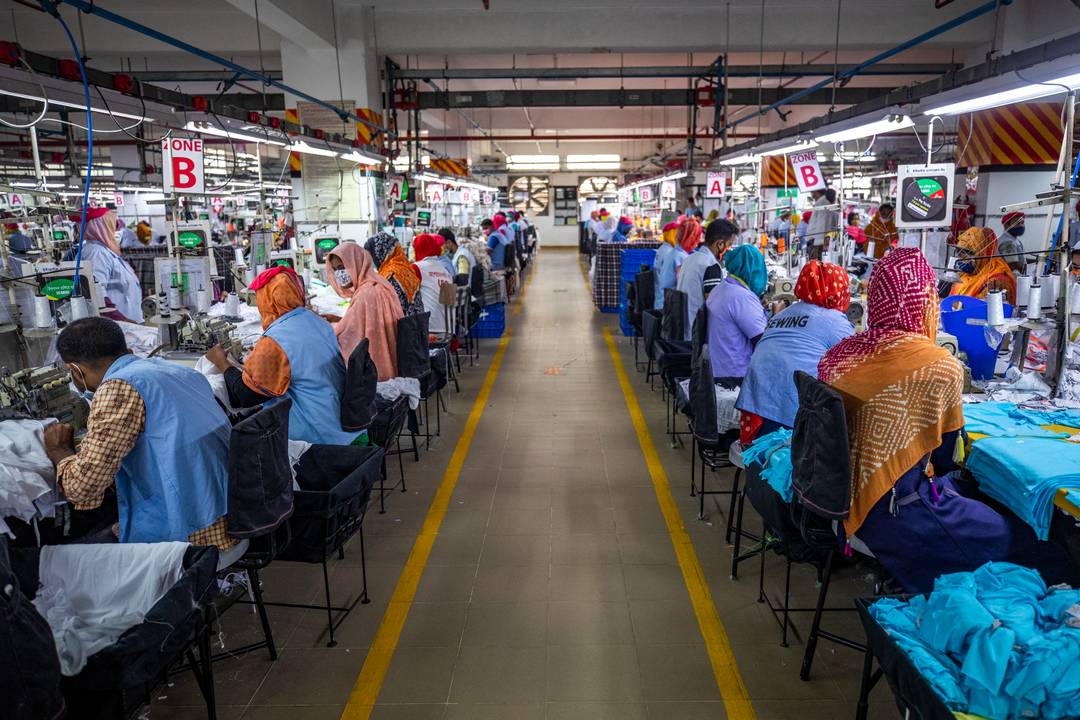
552	585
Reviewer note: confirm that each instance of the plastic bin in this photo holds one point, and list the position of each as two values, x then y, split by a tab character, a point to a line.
492	321
981	357
630	261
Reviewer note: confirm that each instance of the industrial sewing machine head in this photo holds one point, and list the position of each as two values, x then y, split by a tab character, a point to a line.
41	392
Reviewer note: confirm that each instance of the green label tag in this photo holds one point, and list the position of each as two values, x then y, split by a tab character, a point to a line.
58	288
326	243
931	188
190	239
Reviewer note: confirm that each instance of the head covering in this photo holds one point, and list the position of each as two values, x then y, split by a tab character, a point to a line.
373	311
713	214
982	243
690	231
396	268
1012	219
747	264
101	227
144	232
825	285
806	216
604	212
278	290
668	232
901	391
498	220
426	245
624	225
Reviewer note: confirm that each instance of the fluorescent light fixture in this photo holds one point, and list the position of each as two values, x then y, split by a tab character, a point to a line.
741	159
362	158
205	128
551	167
66	104
302	147
658	179
798	146
887	124
869	157
531	159
592	158
34	184
432	178
1028	91
593	165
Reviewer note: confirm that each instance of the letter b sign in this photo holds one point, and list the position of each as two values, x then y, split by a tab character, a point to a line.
183	171
807	171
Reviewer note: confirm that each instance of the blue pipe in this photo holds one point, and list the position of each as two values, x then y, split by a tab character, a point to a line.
852	72
93	9
1061	220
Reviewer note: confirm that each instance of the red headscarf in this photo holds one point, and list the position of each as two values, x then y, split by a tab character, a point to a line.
278	290
825	285
1012	219
691	235
498	221
427	245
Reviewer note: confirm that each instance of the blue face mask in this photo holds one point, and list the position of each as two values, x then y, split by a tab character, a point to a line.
965	266
87	395
1017	231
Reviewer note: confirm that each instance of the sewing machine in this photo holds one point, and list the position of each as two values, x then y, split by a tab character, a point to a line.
192	335
41	392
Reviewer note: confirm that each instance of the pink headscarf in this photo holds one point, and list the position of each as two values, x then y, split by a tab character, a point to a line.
101	228
373	312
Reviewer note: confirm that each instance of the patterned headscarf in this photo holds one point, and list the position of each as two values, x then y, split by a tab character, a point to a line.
825	285
689	235
395	267
277	292
982	243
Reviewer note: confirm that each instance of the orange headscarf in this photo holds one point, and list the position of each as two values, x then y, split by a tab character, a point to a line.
373	312
883	234
277	291
982	243
825	285
689	234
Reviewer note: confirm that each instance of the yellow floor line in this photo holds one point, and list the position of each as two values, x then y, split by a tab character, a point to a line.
369	682
728	679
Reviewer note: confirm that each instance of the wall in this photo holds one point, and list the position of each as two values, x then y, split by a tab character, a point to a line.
1003	187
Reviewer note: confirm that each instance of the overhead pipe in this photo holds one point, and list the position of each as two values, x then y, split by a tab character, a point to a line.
91	8
851	72
663	71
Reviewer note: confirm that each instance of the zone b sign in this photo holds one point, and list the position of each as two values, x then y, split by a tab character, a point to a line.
183	166
807	171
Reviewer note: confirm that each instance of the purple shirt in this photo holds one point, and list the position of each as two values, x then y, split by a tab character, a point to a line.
735	318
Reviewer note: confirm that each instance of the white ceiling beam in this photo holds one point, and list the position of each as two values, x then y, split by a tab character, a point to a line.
295	20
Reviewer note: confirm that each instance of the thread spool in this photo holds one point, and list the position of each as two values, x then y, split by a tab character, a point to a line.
202	300
1023	289
870	248
163	305
249	276
42	312
306	274
995	308
174	297
1034	308
232	305
238	256
1049	290
80	308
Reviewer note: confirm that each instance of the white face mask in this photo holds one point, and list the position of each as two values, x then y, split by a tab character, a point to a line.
84	392
343	277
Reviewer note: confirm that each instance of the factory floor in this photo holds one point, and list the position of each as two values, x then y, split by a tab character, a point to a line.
568	575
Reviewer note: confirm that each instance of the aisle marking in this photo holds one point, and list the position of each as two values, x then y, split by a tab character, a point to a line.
725	668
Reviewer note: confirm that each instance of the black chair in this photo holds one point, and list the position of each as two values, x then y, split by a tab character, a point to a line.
709	444
414	361
358	400
645	300
673	328
650	334
476	289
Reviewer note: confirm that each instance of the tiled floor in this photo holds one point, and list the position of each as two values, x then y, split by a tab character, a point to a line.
552	590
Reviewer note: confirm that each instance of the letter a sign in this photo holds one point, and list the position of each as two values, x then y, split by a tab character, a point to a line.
183	172
715	187
807	171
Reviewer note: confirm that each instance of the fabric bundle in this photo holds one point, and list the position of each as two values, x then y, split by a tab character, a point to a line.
1025	473
773	453
995	642
1002	419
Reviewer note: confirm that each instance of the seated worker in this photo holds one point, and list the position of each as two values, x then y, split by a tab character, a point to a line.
780	227
700	272
735	315
495	248
155	432
128	238
392	264
297	357
902	398
461	258
373	311
979	269
664	265
794	339
118	281
432	276
856	233
144	232
444	255
17	242
1010	244
881	230
800	229
623	230
1074	266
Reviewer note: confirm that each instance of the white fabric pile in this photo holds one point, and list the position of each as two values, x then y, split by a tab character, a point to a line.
91	594
249	329
394	388
27	476
727	416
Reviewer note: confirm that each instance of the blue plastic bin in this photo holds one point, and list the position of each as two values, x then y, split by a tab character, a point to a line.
492	321
981	357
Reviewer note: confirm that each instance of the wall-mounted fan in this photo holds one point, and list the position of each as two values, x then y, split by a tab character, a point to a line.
530	194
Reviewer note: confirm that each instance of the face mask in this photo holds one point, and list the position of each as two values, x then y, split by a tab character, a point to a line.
85	394
1017	231
965	266
343	277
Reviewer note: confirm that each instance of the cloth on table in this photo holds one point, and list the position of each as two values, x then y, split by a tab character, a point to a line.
1001	419
91	594
141	339
773	453
1025	474
727	416
394	388
995	642
27	476
216	378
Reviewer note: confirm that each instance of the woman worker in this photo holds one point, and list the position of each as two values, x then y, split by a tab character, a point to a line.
980	271
794	339
402	275
902	399
665	262
373	311
117	279
297	357
433	276
735	315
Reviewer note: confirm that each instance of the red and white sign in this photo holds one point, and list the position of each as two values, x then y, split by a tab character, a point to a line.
667	190
646	194
183	172
217	204
714	187
395	186
468	196
488	198
16	200
118	199
807	171
436	194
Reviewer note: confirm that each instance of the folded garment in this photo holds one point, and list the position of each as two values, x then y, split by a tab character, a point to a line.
1002	419
27	476
394	388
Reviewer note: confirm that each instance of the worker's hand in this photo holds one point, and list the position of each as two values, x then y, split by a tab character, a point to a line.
332	318
219	358
59	441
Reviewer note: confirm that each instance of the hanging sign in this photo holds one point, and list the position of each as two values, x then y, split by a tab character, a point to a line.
453	196
807	170
667	190
217	204
436	194
16	200
646	193
488	198
397	189
714	187
468	196
423	218
118	199
925	195
624	197
183	171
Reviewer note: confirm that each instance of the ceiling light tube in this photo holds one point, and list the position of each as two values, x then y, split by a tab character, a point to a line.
796	147
742	159
889	123
66	104
593	165
205	128
583	159
550	167
1023	93
362	158
532	159
302	147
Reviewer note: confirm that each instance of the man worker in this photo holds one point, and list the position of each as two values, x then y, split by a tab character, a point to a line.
1009	244
701	272
154	432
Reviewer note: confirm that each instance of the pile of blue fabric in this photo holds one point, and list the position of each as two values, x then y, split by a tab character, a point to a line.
1002	419
772	452
995	642
1025	473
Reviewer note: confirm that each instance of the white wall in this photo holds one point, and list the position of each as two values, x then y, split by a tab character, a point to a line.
1003	187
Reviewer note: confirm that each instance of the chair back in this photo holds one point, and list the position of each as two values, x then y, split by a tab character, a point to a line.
645	287
260	473
476	283
703	400
650	331
358	400
820	455
412	346
674	318
699	337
